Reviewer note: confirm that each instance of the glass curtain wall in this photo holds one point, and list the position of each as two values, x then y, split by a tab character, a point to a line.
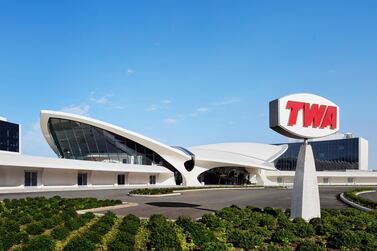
9	136
76	140
81	141
330	155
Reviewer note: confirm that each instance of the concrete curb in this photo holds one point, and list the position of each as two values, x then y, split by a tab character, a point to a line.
370	191
99	209
355	205
154	195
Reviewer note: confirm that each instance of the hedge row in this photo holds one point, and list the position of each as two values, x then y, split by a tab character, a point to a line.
231	228
125	238
22	220
163	234
93	236
152	191
155	191
351	195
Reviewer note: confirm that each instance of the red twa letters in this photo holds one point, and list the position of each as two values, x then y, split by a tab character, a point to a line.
314	115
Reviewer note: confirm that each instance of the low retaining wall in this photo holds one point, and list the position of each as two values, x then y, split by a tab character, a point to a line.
355	205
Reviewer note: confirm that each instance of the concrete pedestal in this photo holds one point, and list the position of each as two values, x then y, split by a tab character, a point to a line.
305	196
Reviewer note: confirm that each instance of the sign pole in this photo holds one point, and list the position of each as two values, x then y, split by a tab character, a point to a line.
304	116
305	201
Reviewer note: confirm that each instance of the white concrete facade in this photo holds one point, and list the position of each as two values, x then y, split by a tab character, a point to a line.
257	159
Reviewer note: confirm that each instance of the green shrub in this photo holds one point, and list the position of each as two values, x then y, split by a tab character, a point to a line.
271	211
9	231
96	231
72	224
266	220
87	216
211	220
245	239
298	220
152	191
40	243
21	237
254	209
125	239
372	228
34	228
345	239
197	231
25	219
60	233
283	236
274	247
38	216
304	230
368	241
234	215
215	246
162	234
79	244
48	223
130	223
307	245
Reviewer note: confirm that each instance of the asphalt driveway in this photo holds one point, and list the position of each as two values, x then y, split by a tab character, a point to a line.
196	203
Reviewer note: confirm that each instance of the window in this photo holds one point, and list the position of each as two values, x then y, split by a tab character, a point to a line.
152	179
76	140
82	179
280	180
9	136
326	180
350	180
31	178
121	179
337	154
139	159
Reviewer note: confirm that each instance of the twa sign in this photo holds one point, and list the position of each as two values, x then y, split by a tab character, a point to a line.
304	116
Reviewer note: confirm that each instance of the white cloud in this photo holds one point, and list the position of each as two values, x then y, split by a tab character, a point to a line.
101	100
202	109
227	101
130	71
166	102
198	111
152	108
170	121
82	109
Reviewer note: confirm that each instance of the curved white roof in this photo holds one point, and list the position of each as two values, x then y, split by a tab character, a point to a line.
248	155
237	154
154	145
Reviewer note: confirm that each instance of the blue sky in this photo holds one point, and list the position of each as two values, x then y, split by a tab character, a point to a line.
186	72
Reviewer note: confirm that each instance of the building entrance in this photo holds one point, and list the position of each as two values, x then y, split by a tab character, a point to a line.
225	176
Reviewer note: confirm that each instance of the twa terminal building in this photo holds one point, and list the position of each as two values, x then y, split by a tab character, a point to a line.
96	154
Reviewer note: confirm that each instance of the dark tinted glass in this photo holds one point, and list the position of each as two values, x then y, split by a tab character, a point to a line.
76	140
329	155
9	137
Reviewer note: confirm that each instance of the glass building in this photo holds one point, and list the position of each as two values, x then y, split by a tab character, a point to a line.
76	140
329	155
9	137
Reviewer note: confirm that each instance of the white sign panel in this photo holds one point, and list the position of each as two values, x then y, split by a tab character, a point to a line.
304	116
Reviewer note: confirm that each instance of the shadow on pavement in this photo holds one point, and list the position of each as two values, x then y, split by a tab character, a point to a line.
179	205
171	204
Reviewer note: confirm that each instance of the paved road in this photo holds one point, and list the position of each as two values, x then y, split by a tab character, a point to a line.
196	203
